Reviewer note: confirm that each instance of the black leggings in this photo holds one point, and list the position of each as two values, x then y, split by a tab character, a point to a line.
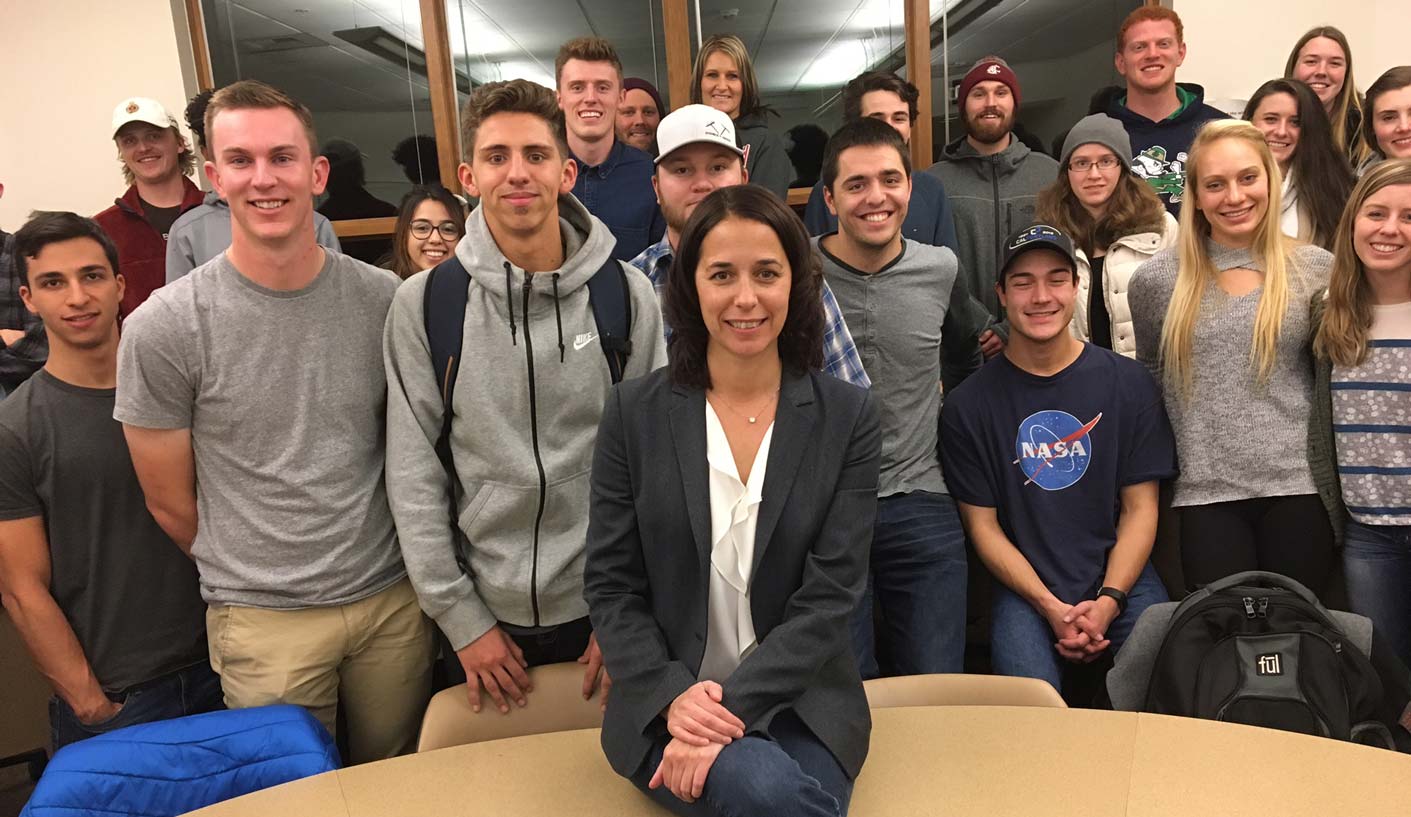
1281	534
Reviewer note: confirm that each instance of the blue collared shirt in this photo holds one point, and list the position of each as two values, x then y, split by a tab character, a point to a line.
619	192
840	357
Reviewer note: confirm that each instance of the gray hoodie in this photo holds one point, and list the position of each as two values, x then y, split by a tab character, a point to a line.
991	196
768	162
529	395
203	232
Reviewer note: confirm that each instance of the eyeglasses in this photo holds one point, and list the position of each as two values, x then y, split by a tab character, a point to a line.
449	230
1084	165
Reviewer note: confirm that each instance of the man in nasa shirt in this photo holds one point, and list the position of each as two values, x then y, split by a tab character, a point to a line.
1053	451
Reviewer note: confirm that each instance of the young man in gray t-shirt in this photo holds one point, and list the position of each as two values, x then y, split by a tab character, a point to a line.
253	396
915	325
107	606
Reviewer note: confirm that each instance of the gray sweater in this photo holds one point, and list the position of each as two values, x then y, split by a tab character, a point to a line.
991	196
1236	438
203	232
529	395
908	319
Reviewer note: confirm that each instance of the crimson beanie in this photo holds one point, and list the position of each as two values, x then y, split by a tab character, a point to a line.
989	68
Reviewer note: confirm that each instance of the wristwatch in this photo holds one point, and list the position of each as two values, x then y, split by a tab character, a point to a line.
1117	596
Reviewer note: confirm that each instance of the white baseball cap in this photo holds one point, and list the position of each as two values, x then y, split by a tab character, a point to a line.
141	109
695	123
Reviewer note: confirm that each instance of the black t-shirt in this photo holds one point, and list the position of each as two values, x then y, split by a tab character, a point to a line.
1099	322
128	591
161	218
1051	455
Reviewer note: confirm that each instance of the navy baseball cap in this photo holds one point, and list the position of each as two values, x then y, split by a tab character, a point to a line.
1037	237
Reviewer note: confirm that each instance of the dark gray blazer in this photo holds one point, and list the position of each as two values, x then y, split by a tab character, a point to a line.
647	573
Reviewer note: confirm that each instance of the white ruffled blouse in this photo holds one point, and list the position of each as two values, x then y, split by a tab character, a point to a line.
734	513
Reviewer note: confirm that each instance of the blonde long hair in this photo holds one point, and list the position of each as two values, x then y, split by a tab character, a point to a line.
1197	272
1347	319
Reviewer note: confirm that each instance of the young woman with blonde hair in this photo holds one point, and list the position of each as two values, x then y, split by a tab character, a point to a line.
724	79
1359	441
1323	60
1222	322
1116	222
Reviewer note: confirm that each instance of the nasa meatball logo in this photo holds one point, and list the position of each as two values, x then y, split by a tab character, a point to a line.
1054	449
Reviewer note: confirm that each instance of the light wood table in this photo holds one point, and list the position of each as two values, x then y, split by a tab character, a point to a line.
924	761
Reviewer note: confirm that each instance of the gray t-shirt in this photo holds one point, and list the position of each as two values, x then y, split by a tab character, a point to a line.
907	319
1237	438
285	395
128	591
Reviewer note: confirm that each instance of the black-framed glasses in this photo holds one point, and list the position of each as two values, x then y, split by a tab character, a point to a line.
449	230
1084	165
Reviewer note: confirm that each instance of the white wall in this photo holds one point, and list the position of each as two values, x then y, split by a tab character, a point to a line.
1233	46
66	64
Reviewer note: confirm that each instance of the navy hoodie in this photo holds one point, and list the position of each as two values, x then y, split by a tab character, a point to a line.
1159	148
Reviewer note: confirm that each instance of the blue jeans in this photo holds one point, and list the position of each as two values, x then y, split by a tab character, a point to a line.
790	774
917	573
1377	562
1021	641
190	691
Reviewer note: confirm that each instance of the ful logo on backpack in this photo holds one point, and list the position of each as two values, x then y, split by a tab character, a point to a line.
1269	664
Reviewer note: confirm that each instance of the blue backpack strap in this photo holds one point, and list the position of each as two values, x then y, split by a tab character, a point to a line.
612	312
443	309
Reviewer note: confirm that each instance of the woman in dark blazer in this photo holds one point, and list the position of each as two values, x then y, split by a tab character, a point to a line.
733	497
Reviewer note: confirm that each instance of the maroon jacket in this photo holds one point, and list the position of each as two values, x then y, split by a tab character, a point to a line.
142	251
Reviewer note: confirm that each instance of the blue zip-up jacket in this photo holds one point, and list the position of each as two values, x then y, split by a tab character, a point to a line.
929	219
619	193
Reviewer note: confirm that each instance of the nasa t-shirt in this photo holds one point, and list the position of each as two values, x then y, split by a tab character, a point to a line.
1051	455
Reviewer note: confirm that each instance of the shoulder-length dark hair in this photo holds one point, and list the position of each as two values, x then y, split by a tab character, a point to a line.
1393	80
1132	209
1319	170
801	339
400	260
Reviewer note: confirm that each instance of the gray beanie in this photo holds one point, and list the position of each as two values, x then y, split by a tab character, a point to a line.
1101	129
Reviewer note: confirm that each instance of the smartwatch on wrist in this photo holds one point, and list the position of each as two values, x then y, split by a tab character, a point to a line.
1117	596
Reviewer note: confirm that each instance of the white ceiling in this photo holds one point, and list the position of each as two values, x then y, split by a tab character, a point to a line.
802	46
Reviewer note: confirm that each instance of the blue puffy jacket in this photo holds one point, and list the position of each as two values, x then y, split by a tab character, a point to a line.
175	766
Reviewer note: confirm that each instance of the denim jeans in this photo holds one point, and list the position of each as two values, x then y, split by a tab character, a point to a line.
917	576
1021	641
791	774
190	691
1377	562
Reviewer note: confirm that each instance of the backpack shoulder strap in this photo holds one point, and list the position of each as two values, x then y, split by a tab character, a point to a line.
612	312
443	309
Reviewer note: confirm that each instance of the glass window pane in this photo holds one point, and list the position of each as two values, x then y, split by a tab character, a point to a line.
1060	50
518	39
360	67
804	52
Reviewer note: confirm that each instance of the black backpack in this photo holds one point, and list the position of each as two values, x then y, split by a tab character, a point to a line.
1257	648
443	308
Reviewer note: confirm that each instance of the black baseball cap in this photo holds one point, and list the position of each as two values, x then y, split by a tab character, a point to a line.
1036	237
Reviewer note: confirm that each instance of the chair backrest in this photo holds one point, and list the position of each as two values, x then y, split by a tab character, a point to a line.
555	705
960	690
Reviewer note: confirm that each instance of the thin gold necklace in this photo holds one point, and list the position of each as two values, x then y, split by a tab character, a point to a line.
738	413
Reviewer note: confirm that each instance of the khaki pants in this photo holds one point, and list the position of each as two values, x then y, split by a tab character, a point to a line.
374	655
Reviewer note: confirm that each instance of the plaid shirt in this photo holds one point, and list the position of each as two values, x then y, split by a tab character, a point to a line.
840	358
